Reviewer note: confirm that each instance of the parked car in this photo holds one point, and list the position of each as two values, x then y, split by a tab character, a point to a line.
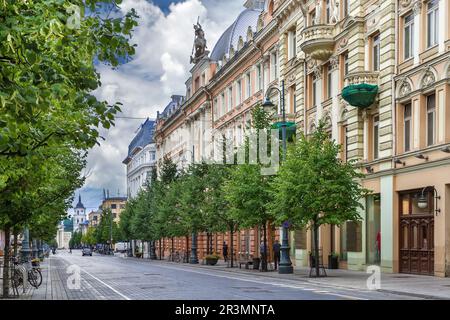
87	252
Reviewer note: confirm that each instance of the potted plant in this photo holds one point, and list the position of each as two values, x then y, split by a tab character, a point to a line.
333	260
211	259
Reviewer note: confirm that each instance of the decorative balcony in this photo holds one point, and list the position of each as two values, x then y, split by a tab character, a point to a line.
361	88
318	41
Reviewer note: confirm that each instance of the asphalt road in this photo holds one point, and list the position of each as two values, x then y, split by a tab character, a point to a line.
116	278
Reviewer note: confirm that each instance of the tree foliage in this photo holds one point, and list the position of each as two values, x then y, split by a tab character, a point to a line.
314	187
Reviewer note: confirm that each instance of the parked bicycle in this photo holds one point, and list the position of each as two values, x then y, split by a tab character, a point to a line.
34	274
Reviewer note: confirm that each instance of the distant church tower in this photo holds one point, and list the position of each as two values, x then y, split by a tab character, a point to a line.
79	215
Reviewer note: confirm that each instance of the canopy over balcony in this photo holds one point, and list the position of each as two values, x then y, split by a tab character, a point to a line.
361	88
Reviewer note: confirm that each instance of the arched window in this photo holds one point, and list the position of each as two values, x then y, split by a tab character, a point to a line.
270	10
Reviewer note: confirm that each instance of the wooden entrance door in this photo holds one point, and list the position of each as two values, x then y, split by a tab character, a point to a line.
416	235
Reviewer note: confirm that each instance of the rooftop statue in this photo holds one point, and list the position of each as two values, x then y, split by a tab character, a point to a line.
199	44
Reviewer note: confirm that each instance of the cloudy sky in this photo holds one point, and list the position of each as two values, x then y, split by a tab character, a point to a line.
159	69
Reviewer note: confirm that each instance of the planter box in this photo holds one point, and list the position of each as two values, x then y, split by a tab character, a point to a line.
211	262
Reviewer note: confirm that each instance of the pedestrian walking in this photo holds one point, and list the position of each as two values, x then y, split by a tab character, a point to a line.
276	253
225	251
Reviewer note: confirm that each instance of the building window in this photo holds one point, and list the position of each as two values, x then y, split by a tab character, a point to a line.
328	9
239	91
408	36
292	44
291	93
432	22
259	83
407	113
346	64
230	98
376	53
329	81
295	102
312	18
274	64
315	91
376	132
216	107
196	84
431	119
248	85
346	8
222	98
203	79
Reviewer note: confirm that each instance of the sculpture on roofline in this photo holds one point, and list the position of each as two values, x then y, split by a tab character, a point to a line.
199	44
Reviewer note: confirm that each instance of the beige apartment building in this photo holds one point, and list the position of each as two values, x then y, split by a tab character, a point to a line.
115	204
401	139
378	71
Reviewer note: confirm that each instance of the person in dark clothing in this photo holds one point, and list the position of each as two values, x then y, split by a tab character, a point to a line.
225	251
276	253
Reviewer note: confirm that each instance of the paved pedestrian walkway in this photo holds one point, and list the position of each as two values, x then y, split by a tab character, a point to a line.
418	286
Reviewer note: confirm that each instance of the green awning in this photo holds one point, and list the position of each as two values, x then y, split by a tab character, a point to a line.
360	95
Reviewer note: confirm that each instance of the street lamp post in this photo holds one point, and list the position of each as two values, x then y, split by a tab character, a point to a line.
285	260
193	258
35	249
40	249
25	251
110	233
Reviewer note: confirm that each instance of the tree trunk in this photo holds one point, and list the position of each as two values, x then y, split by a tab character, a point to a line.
15	243
231	247
211	243
160	249
316	248
264	262
6	263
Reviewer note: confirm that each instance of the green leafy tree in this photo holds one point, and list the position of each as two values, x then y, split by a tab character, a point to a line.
217	214
47	74
247	190
314	187
47	110
89	237
144	223
36	194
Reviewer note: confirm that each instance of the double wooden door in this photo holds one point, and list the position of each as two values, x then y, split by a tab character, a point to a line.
416	240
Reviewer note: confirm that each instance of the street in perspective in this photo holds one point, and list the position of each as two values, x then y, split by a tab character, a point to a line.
241	151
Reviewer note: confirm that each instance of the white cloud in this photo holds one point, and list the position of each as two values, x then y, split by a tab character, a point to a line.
158	70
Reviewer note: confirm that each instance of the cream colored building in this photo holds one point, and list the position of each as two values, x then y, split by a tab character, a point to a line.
115	204
401	138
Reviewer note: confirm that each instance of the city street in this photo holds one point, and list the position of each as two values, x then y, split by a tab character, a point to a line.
110	277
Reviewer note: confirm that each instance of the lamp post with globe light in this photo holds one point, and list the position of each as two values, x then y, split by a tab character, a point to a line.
193	259
285	260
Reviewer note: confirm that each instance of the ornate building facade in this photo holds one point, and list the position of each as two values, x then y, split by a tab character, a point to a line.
378	72
141	158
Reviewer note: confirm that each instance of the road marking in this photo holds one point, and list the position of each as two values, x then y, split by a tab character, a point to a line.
270	283
346	296
102	282
107	285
